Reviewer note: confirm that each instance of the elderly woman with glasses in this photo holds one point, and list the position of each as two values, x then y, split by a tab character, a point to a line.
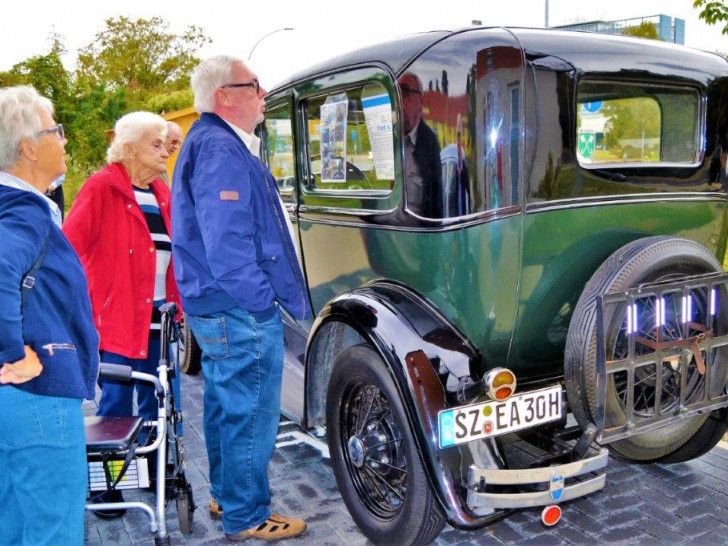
48	343
120	227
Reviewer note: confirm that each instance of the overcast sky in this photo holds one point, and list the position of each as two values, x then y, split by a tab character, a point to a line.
322	28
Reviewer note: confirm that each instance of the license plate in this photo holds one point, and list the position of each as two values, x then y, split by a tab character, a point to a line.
487	419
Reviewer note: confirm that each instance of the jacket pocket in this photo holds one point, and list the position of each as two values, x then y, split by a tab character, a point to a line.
211	336
19	420
271	252
51	348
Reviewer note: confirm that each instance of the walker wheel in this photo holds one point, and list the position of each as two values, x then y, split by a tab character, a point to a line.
185	510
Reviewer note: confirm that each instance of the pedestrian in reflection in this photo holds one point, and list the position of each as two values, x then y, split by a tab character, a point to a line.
459	187
236	264
423	176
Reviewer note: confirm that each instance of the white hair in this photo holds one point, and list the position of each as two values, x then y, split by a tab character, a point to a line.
19	120
130	129
207	77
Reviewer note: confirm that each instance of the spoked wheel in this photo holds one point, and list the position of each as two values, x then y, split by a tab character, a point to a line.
643	261
378	471
185	508
646	389
374	453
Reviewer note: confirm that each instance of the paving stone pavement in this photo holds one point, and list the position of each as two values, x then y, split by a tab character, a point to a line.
685	503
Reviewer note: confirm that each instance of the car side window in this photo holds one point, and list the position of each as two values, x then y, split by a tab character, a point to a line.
279	149
350	142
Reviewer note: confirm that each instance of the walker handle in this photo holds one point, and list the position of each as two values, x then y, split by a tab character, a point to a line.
118	372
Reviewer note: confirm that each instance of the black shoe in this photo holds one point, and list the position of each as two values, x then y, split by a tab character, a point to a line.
109	496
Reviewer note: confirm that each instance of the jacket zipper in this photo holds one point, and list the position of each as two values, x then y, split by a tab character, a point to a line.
50	347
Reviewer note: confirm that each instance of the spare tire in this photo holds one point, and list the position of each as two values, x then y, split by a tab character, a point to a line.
643	261
190	355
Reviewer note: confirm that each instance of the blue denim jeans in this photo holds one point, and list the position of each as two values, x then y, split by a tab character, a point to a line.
43	471
242	363
117	396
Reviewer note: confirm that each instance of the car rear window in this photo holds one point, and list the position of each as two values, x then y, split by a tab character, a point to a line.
638	124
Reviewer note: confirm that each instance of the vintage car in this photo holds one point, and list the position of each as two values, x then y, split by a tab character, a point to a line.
561	298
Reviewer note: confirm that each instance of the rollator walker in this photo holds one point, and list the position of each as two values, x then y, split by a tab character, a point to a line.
120	448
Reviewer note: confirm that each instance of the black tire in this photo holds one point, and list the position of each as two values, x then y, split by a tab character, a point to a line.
377	468
185	510
642	261
705	439
190	355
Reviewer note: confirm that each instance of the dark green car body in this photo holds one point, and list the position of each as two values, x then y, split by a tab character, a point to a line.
493	284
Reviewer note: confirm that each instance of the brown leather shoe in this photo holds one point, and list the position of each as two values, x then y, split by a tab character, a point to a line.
215	509
274	528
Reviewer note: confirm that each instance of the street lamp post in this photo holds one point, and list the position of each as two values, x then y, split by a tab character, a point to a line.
265	36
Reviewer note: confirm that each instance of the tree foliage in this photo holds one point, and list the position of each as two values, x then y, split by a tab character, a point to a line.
645	29
131	65
713	13
140	54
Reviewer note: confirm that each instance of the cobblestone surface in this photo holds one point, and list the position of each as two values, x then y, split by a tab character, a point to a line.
685	503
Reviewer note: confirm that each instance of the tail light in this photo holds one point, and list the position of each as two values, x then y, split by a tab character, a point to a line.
499	383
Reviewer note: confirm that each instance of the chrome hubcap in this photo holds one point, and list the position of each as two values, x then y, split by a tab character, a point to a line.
356	451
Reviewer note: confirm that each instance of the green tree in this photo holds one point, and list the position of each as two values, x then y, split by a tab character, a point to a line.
644	30
140	55
130	65
631	119
44	72
713	12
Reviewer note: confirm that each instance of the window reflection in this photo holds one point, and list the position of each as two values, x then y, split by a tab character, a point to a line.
474	111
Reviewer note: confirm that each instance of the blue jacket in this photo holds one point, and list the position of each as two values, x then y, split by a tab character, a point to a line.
230	243
56	319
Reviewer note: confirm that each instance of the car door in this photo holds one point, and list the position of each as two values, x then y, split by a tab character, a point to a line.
279	153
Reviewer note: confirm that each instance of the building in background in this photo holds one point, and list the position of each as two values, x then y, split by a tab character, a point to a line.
670	29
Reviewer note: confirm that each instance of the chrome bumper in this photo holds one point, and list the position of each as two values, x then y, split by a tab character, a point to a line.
552	478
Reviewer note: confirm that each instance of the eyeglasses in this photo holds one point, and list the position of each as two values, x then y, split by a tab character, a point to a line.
409	90
255	84
58	129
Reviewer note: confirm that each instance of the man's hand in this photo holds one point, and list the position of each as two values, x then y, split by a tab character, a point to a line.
23	370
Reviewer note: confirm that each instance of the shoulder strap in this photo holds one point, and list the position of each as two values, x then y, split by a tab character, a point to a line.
29	279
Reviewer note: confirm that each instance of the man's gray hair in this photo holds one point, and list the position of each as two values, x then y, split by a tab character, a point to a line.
19	120
207	77
130	129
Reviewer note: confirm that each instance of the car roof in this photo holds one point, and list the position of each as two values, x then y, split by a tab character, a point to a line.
594	53
586	52
396	54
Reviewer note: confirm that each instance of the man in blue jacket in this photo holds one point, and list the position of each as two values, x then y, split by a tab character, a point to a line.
235	263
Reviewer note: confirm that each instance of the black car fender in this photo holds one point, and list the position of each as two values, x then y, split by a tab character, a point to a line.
421	349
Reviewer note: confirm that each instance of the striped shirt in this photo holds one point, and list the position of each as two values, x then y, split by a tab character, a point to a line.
148	203
7	179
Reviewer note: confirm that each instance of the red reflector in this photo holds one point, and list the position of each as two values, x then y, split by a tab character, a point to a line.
503	393
551	515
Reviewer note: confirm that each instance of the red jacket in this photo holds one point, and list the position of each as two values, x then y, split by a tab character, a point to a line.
107	228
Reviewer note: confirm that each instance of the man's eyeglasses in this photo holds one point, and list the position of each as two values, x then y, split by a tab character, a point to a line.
254	84
58	129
